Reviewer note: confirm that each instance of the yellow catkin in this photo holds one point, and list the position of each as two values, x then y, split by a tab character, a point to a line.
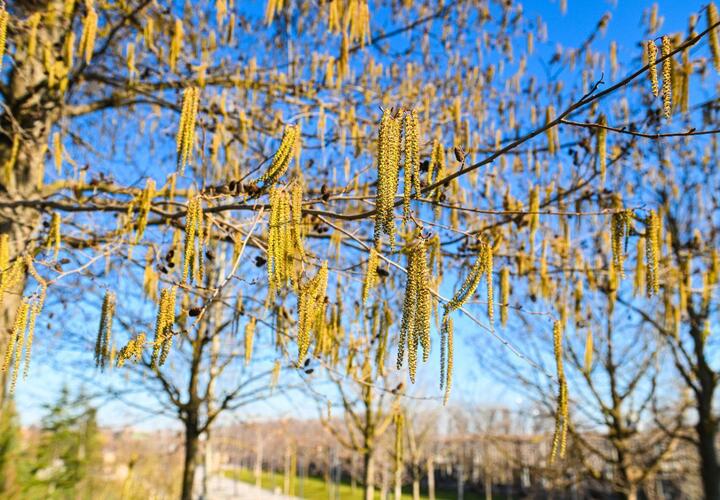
712	20
488	266
561	414
446	356
412	160
280	240
588	351
652	252
619	232
296	196
249	338
283	156
104	336
89	32
4	18
551	132
417	309
33	23
176	44
185	139
310	309
164	326
193	231
602	148
57	151
667	76
4	253
652	51
133	350
35	309
388	161
54	237
504	295
275	375
145	203
370	274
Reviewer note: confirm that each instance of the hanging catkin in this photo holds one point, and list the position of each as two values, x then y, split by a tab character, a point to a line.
185	138
284	154
602	148
89	32
104	336
412	160
652	252
504	295
311	309
667	67
370	274
388	160
164	326
712	19
559	442
4	18
417	308
652	63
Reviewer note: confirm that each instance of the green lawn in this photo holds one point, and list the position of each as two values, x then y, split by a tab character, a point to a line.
315	488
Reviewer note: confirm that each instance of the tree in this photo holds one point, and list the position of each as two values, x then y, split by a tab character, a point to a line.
209	92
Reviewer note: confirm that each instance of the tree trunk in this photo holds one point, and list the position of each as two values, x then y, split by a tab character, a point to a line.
431	478
709	468
369	475
416	488
192	447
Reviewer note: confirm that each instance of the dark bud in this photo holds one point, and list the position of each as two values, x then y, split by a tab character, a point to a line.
260	261
163	269
459	154
307	362
194	311
309	370
382	272
64	261
425	166
209	255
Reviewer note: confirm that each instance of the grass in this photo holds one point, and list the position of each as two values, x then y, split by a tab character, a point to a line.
315	488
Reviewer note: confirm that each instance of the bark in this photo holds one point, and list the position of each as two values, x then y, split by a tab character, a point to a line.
707	434
369	475
431	478
192	447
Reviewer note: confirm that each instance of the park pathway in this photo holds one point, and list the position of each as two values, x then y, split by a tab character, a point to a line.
223	488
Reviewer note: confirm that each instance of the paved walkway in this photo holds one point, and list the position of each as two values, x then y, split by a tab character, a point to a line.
223	488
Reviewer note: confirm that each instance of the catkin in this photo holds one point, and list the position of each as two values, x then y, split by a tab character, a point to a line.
249	338
89	32
712	19
281	241
561	416
620	230
602	148
588	351
652	64
185	138
412	160
388	159
667	76
417	309
370	274
447	372
193	255
176	44
133	349
281	160
145	203
652	252
4	18
35	309
104	336
163	326
488	265
311	309
54	237
275	375
504	295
